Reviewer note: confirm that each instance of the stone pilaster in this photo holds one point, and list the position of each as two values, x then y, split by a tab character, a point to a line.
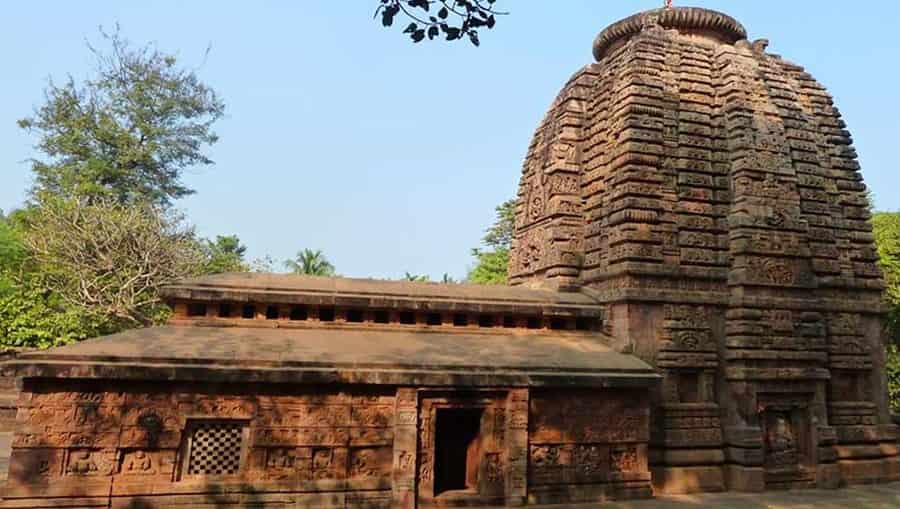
405	457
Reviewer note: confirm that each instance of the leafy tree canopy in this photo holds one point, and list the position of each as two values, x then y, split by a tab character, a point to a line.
225	254
491	264
490	267
500	234
128	132
12	251
886	228
455	20
311	263
31	316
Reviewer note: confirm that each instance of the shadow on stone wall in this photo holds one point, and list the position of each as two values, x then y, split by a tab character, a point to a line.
244	497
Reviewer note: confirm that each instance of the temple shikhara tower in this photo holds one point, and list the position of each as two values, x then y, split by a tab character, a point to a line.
694	305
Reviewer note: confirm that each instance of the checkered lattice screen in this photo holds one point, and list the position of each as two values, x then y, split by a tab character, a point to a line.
215	448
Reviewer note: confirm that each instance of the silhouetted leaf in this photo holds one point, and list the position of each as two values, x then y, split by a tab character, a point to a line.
456	19
387	15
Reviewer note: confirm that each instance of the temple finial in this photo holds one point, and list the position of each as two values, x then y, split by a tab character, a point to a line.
668	4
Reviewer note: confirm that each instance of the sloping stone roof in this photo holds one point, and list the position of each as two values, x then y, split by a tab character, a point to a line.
286	288
342	355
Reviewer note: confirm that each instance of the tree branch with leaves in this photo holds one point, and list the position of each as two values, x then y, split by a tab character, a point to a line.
111	258
454	19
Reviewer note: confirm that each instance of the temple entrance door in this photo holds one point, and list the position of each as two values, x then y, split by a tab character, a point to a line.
461	449
457	451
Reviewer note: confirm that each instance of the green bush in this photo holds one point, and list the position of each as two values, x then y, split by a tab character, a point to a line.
34	318
30	315
892	366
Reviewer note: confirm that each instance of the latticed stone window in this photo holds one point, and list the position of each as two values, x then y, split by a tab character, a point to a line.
215	448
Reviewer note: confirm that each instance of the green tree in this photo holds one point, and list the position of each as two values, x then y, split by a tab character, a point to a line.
311	263
419	278
491	264
31	316
128	132
108	258
490	267
892	366
12	251
11	254
89	253
500	234
886	228
225	254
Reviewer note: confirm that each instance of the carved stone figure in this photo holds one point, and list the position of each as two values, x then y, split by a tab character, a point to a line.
780	441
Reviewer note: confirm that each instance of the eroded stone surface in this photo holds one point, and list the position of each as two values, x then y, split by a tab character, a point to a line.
695	307
709	193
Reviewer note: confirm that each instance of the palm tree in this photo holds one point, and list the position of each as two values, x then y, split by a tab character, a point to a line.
311	263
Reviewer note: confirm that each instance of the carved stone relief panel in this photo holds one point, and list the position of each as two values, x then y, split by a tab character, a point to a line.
136	437
579	437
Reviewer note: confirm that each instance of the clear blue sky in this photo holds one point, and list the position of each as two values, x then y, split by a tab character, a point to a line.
390	156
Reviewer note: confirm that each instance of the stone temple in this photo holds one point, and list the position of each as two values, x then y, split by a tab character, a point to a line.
694	306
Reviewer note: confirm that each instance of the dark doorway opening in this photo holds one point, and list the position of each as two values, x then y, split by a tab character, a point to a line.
456	449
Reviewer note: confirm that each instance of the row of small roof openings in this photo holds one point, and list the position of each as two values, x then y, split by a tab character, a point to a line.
381	316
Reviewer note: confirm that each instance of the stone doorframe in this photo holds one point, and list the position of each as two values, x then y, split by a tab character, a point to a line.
506	461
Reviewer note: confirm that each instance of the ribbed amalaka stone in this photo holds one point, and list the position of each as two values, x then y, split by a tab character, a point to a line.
709	194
